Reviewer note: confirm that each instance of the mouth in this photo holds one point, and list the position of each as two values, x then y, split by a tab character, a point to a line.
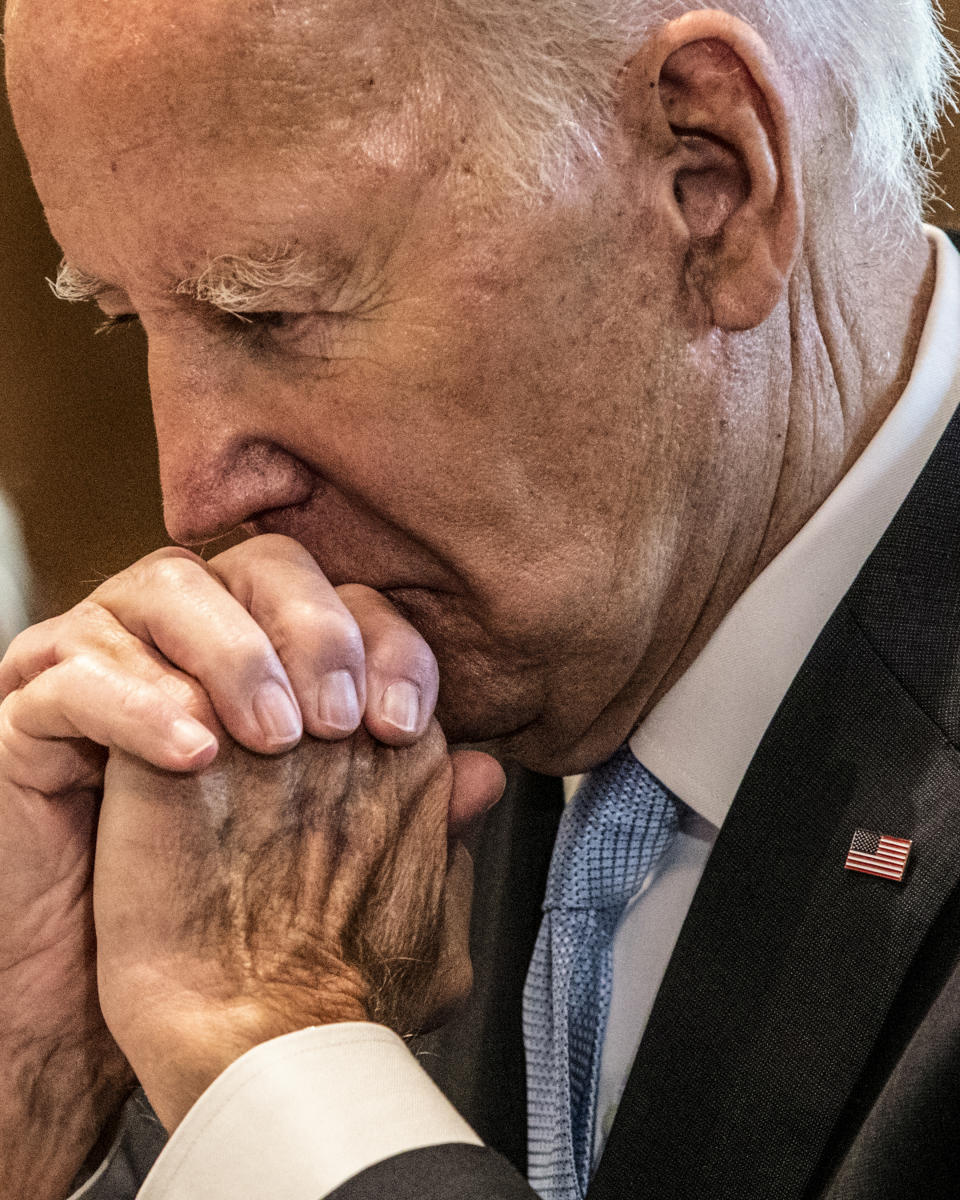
351	552
414	602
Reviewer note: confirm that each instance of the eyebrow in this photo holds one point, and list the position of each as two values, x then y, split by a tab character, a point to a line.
75	286
233	283
239	283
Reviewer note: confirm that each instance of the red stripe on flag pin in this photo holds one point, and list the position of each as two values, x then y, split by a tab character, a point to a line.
878	854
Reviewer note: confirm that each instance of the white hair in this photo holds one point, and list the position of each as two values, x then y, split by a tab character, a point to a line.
871	78
233	283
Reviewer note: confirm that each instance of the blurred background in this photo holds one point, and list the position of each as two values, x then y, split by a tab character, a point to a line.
77	455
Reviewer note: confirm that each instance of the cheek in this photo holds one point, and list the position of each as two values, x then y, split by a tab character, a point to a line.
513	457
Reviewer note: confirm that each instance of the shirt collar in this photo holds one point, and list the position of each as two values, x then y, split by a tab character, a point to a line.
700	737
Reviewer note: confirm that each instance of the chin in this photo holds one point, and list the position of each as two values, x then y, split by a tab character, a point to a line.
481	694
473	707
509	718
491	695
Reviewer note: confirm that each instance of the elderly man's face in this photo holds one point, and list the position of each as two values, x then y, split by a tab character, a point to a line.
493	419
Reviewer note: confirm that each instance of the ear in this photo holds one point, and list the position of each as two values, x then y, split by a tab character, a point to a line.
705	103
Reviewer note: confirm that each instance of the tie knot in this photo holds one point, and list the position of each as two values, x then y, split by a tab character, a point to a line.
617	825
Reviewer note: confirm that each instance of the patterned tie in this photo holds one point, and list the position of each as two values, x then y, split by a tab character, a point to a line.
613	831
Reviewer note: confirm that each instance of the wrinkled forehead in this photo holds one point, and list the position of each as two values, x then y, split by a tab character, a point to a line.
131	74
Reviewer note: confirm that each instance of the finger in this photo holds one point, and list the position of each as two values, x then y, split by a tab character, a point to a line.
402	677
311	629
59	765
52	767
30	652
89	628
89	697
173	602
478	783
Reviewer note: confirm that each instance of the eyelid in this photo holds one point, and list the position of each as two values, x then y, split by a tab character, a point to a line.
261	334
279	332
109	323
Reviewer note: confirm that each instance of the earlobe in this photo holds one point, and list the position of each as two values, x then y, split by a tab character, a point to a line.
705	103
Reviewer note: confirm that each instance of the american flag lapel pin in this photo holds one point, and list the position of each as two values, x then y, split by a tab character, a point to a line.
878	854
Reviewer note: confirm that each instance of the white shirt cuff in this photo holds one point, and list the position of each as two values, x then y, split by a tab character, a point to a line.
296	1117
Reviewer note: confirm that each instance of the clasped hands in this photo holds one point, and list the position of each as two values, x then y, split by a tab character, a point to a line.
246	882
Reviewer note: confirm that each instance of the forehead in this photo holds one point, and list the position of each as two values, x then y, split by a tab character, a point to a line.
122	100
207	52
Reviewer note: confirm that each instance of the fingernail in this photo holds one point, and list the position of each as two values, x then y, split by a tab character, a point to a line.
191	738
400	705
275	711
337	704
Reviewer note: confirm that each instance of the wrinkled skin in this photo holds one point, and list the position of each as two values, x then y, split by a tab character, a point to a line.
105	675
48	970
264	894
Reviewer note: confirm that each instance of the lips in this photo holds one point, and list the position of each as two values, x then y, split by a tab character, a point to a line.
351	549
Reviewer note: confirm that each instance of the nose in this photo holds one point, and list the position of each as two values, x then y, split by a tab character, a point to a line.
220	460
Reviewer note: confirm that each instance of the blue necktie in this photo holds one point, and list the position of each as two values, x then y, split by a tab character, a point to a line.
617	825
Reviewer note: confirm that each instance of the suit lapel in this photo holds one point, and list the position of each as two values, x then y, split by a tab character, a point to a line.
787	964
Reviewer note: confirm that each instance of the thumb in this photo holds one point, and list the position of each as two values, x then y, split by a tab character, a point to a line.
478	783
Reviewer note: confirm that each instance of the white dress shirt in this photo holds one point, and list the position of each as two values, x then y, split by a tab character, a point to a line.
295	1117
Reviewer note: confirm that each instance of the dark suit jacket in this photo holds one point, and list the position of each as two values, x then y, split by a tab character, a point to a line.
806	1039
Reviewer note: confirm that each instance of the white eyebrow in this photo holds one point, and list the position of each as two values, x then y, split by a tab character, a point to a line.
240	284
74	285
234	283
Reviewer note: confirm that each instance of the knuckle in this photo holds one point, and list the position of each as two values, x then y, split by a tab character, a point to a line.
255	549
277	545
143	569
84	674
19	645
316	628
128	708
90	615
88	624
250	648
12	669
339	630
185	691
81	666
173	573
171	553
87	610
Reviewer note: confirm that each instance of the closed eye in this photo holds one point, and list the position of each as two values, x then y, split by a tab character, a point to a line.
270	332
295	334
109	324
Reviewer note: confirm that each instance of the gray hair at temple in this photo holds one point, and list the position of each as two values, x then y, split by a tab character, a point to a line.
871	77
